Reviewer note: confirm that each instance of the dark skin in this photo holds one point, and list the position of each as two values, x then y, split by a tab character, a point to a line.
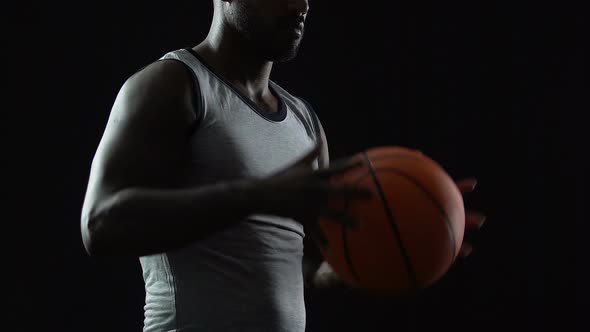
269	24
135	202
150	117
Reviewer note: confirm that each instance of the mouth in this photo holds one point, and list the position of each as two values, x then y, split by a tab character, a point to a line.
295	30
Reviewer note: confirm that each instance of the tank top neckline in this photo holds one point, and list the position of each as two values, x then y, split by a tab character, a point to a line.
277	116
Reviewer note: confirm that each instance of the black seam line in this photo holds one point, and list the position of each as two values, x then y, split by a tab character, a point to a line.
299	114
347	249
403	251
428	193
269	117
195	88
446	218
314	119
434	201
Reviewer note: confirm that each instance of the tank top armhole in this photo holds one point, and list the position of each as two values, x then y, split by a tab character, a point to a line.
196	98
314	119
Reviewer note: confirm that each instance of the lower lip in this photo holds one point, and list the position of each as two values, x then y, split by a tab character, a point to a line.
297	33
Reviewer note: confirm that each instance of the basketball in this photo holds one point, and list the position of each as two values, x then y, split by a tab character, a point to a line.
411	229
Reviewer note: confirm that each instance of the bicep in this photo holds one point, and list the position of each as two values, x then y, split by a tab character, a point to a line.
144	139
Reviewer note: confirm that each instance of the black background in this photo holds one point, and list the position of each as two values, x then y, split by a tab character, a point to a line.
495	90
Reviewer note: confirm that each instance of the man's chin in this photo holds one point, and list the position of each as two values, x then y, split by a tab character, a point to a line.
285	58
285	55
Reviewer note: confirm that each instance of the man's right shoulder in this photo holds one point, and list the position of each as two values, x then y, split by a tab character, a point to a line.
165	76
161	85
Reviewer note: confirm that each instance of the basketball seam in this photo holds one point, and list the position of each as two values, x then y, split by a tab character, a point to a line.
403	251
428	193
434	201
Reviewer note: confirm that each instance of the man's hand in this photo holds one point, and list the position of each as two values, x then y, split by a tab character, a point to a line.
473	219
302	193
324	278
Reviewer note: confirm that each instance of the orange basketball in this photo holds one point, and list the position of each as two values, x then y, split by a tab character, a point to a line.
411	230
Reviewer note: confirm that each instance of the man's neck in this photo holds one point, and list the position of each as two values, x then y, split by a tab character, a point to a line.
238	65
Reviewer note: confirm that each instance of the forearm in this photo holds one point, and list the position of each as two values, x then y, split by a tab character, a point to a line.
138	221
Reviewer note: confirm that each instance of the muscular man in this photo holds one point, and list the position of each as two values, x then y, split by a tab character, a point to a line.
212	175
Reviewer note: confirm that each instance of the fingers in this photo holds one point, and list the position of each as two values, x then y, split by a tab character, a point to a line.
465	250
341	217
474	220
340	167
467	185
348	191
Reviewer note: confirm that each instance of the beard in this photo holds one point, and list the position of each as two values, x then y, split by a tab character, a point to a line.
280	49
265	39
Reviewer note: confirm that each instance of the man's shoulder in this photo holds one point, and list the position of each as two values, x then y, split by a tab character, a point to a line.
161	73
159	80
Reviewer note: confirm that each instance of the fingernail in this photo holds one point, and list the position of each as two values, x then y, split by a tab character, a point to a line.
482	221
466	251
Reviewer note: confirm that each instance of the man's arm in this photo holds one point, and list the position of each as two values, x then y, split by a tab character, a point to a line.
312	257
317	273
135	203
131	205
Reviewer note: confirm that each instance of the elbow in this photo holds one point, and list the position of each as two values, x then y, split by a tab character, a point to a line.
92	231
96	229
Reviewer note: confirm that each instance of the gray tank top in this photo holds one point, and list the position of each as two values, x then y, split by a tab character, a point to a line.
247	277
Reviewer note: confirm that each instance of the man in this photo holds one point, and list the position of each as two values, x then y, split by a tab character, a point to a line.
212	174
